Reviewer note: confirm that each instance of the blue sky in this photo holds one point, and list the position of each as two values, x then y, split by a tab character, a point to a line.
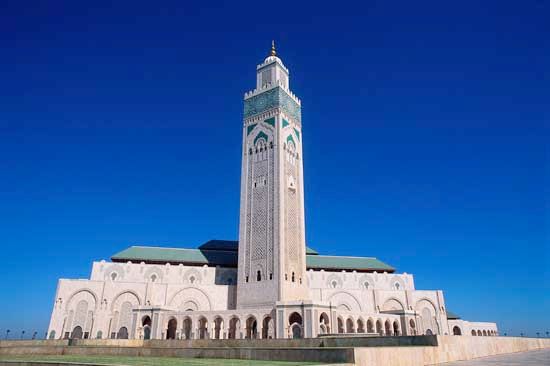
425	139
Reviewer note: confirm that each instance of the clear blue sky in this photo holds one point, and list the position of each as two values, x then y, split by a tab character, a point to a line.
425	139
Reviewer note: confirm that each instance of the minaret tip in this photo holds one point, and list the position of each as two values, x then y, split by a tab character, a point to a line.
273	52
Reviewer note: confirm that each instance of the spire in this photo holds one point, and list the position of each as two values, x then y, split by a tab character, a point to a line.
273	52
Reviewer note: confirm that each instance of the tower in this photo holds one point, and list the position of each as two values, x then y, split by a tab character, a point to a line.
272	252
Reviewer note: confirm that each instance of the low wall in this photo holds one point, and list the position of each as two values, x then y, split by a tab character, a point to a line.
449	348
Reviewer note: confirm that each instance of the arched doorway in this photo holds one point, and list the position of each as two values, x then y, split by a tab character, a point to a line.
172	329
340	325
485	333
324	326
349	326
474	333
267	328
479	333
379	327
122	333
429	332
370	326
187	328
234	327
203	328
456	330
360	326
251	328
396	328
412	324
146	324
387	329
295	321
218	326
77	333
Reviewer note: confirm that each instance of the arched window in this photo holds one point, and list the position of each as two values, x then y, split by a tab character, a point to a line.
334	284
293	277
456	330
192	279
114	276
366	285
397	286
153	278
258	276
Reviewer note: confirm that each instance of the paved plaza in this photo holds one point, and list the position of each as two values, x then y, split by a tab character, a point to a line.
533	358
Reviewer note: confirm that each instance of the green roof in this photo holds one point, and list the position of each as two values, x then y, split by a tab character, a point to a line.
224	253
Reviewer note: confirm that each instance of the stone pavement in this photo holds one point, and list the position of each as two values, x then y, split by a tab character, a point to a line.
532	358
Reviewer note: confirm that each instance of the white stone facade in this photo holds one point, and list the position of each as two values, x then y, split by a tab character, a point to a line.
270	292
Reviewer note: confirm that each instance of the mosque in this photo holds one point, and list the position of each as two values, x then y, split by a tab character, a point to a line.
268	284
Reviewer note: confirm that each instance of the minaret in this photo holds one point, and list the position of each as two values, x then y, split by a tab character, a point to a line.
272	258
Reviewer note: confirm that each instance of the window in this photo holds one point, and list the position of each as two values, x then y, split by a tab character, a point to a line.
293	278
258	276
366	284
246	278
113	276
271	276
192	279
334	284
286	276
153	278
397	286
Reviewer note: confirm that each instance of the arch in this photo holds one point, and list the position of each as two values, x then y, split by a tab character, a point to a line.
366	282
484	333
350	326
412	325
379	327
251	327
479	333
427	312
172	328
122	333
387	327
82	291
218	326
295	318
347	299
203	328
261	135
456	330
77	332
234	328
99	334
360	326
392	304
192	277
474	332
334	281
127	295
396	331
370	325
187	328
190	294
52	335
429	332
324	323
340	325
267	328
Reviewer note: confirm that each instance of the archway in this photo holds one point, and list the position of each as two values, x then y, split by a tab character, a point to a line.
349	326
387	326
456	330
479	333
77	333
295	321
218	326
370	326
474	333
267	328
203	328
340	325
412	324
396	328
146	324
251	328
429	332
122	333
52	335
379	327
485	333
234	326
360	326
324	324
172	329
187	328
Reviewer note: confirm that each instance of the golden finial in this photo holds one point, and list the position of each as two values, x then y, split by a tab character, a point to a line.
273	52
